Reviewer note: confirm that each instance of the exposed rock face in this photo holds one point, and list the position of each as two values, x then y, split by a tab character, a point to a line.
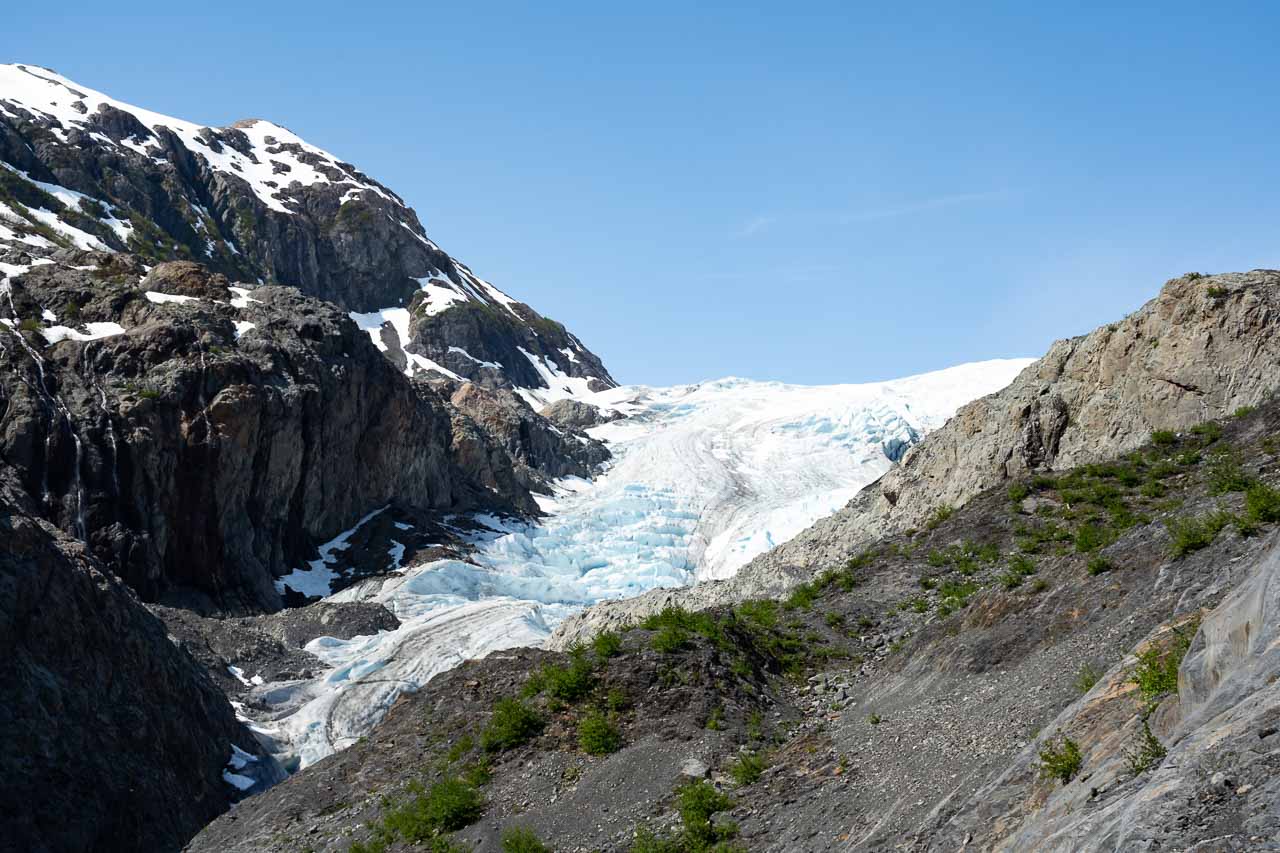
209	447
256	203
575	415
1202	348
542	450
115	738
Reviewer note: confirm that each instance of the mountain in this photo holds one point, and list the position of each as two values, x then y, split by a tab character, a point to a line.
702	478
228	361
256	203
1078	655
1201	348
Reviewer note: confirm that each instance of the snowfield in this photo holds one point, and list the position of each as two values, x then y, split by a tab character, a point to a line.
704	478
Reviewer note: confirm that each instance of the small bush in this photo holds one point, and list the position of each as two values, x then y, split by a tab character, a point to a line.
1192	534
1099	564
1262	503
1039	585
1091	537
449	805
568	683
522	840
1226	475
1147	753
874	719
1244	411
606	644
762	613
513	723
1156	674
669	639
30	324
1208	432
801	598
696	803
1087	677
1060	759
1164	438
1018	491
597	736
715	720
1022	565
1011	580
940	515
616	699
747	768
928	582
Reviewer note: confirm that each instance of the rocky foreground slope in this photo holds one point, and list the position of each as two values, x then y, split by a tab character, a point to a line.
1075	660
1203	347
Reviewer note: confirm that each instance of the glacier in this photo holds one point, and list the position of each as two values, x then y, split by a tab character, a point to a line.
704	477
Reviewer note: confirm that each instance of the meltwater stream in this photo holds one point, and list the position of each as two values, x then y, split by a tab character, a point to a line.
704	477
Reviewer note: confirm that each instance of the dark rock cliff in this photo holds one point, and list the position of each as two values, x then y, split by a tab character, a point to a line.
115	739
203	459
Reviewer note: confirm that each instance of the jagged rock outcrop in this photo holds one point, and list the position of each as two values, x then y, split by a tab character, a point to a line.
115	738
1203	347
204	445
576	415
542	450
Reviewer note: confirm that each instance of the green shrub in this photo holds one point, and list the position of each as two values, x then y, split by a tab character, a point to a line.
833	619
1091	537
522	840
1087	677
448	805
940	515
568	683
762	613
928	582
1262	503
919	604
1060	759
938	559
1226	475
30	324
874	719
1208	432
1244	411
747	768
1164	438
696	803
513	723
606	644
1192	534
1099	564
714	720
1156	674
1147	753
861	560
1022	565
1039	585
1018	491
1011	580
616	699
802	597
670	639
597	736
954	596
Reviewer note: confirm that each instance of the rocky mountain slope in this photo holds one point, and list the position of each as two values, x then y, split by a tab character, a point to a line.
235	374
256	203
1203	347
1071	661
116	739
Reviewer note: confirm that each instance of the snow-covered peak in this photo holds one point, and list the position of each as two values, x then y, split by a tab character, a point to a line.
273	158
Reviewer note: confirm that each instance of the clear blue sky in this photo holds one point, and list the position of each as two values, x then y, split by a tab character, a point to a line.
809	192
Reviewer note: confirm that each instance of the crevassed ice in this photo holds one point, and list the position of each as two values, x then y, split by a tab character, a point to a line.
704	477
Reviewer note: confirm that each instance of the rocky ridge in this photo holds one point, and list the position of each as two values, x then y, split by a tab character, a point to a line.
256	203
1203	347
915	697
